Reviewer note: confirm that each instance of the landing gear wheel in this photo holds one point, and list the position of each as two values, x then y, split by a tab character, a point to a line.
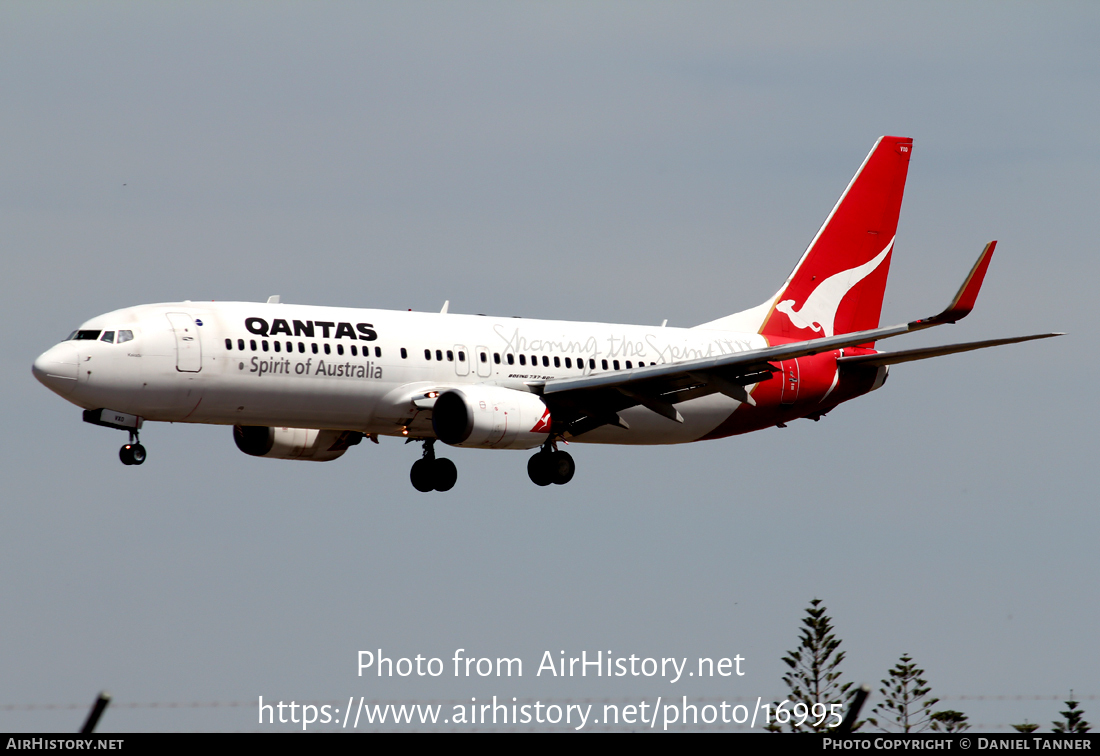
422	475
132	454
446	474
561	467
539	469
431	474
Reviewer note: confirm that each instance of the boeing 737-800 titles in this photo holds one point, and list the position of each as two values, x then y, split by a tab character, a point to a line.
305	382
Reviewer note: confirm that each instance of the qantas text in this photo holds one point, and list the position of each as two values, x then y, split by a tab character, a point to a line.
308	329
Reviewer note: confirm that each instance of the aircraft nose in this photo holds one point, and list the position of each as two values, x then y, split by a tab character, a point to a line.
56	368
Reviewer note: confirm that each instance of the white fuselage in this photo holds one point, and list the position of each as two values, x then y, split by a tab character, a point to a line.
241	363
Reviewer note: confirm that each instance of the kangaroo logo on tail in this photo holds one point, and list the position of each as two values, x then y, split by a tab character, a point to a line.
819	310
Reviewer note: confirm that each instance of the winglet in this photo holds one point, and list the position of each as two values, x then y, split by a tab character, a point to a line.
963	302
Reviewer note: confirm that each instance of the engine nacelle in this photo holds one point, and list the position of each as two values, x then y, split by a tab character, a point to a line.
490	417
294	443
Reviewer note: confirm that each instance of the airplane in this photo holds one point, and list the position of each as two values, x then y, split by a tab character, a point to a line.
307	382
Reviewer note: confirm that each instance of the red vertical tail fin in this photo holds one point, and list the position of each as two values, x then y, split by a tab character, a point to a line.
838	285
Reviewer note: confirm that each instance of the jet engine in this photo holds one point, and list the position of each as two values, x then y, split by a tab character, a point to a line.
294	443
490	417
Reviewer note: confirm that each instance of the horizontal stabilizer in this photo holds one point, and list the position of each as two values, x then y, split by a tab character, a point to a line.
910	355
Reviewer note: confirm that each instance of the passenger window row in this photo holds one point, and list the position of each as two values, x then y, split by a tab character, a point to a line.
438	355
278	347
629	364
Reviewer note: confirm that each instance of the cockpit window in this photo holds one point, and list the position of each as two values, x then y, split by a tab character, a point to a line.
87	335
108	336
71	336
124	336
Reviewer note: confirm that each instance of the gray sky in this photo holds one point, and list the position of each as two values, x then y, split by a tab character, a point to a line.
617	162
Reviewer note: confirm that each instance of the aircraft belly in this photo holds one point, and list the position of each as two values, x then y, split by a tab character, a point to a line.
289	400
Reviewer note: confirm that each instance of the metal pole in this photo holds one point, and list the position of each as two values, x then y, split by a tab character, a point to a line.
96	712
845	727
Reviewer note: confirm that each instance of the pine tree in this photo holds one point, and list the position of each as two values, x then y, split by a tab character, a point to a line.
1075	721
815	672
949	721
906	706
1026	727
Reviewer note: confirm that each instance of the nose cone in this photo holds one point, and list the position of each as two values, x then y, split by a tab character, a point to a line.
56	368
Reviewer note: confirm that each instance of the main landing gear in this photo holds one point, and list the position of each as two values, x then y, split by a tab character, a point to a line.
132	453
551	466
431	474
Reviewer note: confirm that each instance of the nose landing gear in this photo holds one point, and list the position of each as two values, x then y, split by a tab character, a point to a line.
551	466
132	453
431	474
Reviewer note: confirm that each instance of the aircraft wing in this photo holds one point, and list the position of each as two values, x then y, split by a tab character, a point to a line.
587	402
909	355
